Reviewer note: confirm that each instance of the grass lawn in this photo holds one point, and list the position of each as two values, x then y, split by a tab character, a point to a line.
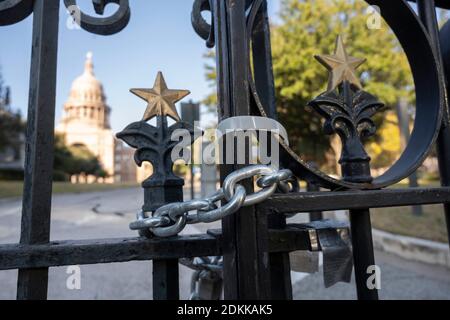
12	189
400	220
430	225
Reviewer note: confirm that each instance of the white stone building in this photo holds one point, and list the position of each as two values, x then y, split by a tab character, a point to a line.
86	122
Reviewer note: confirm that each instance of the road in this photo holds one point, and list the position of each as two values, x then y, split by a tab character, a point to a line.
107	214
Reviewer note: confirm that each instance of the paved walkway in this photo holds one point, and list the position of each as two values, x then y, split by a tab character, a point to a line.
107	214
400	279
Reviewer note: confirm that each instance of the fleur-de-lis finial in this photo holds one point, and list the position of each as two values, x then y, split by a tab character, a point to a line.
156	143
347	110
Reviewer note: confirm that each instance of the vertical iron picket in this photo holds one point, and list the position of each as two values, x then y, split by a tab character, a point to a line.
427	13
32	284
314	215
280	277
363	255
166	280
161	188
245	233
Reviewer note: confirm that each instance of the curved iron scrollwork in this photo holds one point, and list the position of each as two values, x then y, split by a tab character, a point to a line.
100	25
201	27
13	11
445	49
429	96
204	29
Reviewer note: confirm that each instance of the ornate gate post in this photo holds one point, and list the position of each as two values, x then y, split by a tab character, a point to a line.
246	265
155	144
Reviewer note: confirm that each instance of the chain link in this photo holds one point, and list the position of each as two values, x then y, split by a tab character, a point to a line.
169	220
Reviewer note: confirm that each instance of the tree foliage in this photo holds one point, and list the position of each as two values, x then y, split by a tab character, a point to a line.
386	149
75	160
210	75
305	28
310	27
11	124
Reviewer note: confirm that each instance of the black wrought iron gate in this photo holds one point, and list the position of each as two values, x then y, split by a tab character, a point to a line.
255	242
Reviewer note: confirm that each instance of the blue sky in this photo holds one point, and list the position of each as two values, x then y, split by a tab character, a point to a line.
159	37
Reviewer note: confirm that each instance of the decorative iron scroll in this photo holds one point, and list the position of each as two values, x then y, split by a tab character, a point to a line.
99	25
13	11
201	27
429	97
204	29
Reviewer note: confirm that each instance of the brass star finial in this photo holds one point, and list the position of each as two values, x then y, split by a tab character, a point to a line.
161	100
342	67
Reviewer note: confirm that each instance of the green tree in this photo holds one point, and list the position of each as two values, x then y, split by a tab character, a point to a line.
210	75
75	160
311	27
63	160
84	161
12	126
306	28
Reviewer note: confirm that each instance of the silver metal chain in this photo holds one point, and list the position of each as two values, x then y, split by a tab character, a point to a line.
169	220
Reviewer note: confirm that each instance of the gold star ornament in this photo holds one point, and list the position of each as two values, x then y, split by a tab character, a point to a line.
342	67
161	100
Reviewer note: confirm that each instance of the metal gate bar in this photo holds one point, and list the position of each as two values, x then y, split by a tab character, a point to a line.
84	252
245	233
280	277
363	254
344	200
427	13
444	4
32	284
166	279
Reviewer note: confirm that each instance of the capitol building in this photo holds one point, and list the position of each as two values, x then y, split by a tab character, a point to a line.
86	122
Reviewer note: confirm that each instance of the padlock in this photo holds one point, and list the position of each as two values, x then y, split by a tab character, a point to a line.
337	255
209	286
304	261
333	239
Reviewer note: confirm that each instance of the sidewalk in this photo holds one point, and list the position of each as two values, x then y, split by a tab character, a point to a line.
400	279
409	248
